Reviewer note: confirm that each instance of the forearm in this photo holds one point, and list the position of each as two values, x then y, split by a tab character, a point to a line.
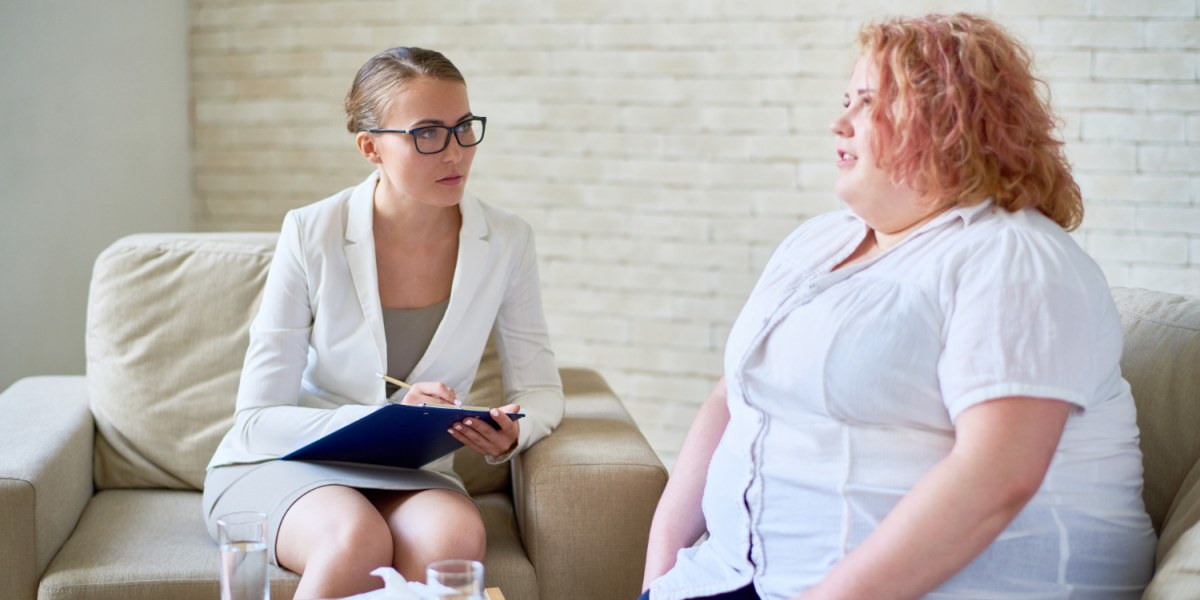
939	527
278	430
678	520
677	524
1001	453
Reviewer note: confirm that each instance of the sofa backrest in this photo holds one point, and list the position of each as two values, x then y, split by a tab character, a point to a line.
167	329
1161	361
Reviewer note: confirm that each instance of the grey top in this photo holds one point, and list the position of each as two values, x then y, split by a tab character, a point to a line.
408	332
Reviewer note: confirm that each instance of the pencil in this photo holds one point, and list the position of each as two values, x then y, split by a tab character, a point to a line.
394	381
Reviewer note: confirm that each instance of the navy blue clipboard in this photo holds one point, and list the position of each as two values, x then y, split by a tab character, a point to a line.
397	435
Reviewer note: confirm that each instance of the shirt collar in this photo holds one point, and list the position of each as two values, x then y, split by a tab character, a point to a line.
968	214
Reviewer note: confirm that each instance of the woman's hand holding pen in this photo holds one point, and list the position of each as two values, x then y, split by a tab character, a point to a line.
485	439
427	393
473	433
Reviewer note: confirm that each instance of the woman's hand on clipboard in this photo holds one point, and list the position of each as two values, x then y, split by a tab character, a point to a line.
485	439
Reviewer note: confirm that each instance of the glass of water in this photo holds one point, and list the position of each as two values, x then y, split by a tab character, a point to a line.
243	540
456	579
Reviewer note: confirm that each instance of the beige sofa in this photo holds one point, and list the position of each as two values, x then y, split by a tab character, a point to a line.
99	474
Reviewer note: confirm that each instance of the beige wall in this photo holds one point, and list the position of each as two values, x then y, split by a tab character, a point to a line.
93	146
662	148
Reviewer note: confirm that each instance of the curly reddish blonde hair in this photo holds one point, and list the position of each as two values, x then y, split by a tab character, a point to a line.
961	118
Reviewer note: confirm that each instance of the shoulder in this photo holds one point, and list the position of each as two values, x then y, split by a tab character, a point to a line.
343	217
1026	240
1024	250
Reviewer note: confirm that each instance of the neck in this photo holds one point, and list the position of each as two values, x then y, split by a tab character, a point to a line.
888	240
403	217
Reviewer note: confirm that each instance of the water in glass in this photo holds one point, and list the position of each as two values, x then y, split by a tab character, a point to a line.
456	579
242	537
244	566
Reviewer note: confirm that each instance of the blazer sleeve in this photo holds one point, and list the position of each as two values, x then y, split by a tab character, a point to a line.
268	421
522	339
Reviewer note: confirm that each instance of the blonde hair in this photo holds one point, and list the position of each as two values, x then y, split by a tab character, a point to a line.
370	96
959	109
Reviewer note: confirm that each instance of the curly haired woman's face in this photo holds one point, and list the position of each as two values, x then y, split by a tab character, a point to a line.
861	183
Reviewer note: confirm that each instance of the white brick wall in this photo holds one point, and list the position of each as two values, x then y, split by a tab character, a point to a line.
662	149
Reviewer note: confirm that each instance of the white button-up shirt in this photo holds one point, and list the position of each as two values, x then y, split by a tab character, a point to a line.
844	387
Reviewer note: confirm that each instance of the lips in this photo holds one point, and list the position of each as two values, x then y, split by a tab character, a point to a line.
452	179
846	159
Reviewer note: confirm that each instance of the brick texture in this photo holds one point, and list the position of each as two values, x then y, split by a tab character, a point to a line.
662	149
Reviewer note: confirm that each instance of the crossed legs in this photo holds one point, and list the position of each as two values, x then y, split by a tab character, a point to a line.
334	536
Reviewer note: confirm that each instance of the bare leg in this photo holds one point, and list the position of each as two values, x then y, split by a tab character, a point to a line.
334	537
430	525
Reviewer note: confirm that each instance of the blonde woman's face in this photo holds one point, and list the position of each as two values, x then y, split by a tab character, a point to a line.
405	174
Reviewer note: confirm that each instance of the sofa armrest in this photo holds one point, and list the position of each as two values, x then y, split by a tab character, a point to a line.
586	494
45	475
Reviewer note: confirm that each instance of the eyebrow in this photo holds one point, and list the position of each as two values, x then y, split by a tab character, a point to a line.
861	92
441	122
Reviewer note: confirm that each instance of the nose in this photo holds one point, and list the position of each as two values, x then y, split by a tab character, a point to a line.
840	125
453	151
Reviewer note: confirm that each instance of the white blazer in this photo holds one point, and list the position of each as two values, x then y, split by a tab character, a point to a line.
318	340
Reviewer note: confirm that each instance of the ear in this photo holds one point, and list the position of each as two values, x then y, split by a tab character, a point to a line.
365	143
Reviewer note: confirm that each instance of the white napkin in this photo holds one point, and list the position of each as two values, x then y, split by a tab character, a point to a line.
396	588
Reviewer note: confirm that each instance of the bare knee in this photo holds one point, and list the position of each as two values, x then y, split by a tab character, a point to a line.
435	525
457	539
360	538
463	537
334	538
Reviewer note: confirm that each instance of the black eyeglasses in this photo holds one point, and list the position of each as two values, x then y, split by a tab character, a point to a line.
432	139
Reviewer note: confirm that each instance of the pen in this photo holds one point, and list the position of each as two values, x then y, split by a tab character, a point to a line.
407	386
395	381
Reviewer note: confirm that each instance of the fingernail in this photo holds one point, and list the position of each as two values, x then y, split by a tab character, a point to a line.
458	427
495	412
467	422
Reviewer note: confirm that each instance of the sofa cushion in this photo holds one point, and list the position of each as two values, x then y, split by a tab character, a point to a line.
142	544
1161	361
167	330
152	544
1177	574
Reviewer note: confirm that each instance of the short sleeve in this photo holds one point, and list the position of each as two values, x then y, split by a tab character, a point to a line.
1023	321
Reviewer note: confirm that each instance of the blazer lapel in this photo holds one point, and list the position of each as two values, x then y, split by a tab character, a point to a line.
469	269
359	246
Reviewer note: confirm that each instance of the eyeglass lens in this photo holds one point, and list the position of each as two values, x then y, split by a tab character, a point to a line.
434	139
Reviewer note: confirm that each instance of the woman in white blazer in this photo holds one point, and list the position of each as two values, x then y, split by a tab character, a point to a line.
402	274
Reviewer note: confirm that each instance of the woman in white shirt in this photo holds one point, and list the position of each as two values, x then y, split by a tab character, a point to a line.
404	274
922	396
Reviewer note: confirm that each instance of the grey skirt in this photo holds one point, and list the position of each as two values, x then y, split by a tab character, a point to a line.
272	487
